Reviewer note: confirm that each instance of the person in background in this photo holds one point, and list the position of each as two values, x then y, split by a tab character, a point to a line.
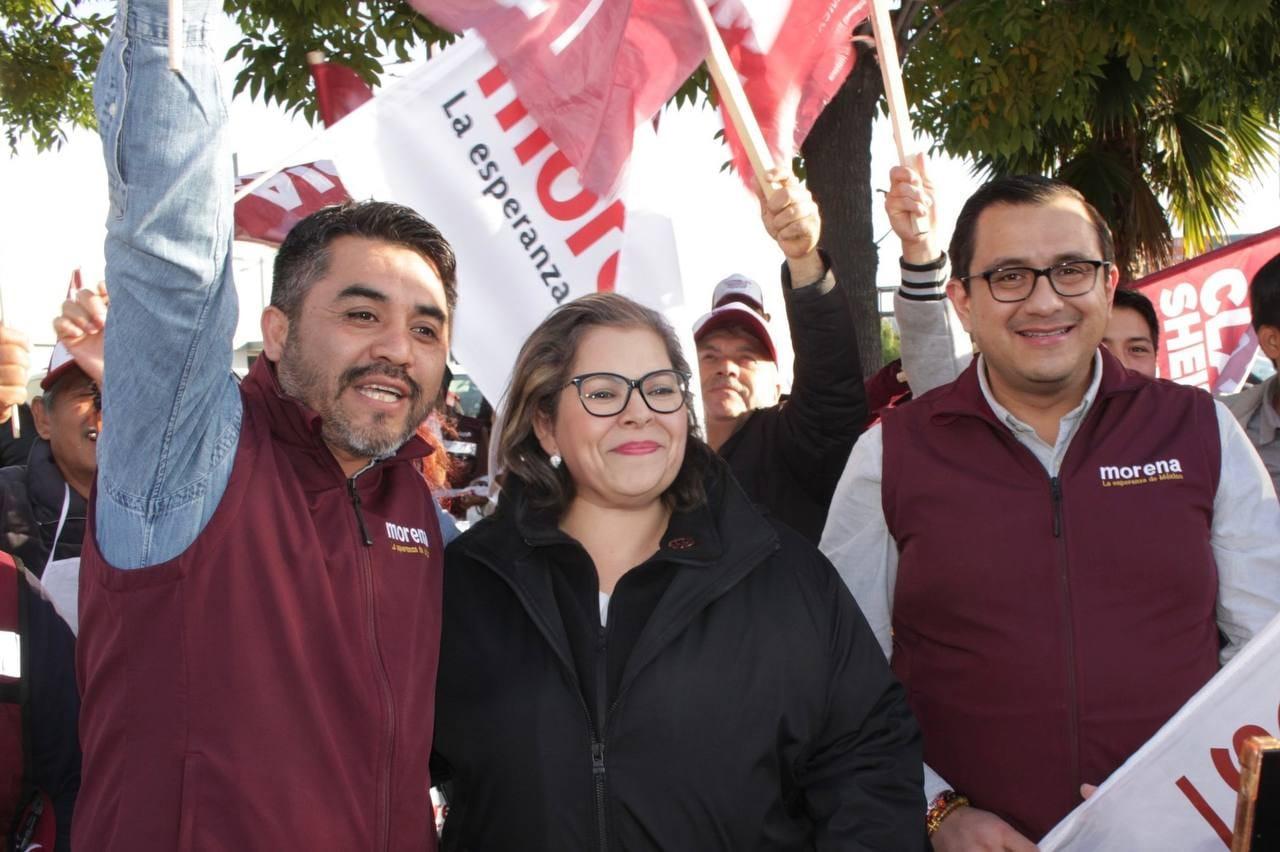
1133	332
636	657
43	502
998	531
787	453
39	702
1258	408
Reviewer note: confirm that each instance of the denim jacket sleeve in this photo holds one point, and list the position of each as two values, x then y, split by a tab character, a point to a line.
171	407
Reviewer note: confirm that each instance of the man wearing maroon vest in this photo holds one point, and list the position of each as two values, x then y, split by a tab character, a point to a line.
260	585
1050	547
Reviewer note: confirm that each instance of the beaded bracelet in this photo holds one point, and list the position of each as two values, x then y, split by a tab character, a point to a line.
941	808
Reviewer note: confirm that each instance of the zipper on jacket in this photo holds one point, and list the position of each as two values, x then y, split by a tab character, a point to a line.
1073	736
379	669
597	742
355	504
1055	492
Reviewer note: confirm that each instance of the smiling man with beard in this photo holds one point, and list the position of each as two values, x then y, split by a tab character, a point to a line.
260	587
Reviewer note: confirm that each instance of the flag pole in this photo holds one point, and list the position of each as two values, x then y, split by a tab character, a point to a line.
894	93
734	99
175	35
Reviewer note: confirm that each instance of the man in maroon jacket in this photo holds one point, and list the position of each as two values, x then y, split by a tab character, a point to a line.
1050	546
260	588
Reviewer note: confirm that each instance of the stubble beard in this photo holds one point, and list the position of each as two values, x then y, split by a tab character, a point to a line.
303	379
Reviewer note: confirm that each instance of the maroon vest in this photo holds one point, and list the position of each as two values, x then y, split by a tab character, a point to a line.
1045	630
272	687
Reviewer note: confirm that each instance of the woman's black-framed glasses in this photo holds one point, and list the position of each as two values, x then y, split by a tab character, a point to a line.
1017	283
607	394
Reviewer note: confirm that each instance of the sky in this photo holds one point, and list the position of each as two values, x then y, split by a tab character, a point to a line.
53	222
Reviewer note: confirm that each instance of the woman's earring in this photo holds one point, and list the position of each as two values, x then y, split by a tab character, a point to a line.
556	460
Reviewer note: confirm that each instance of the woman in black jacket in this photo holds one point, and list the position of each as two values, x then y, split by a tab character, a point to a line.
633	656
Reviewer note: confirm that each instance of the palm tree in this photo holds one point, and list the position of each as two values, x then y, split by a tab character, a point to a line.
1154	150
1157	120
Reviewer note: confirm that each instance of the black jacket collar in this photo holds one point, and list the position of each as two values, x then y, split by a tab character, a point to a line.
715	546
46	486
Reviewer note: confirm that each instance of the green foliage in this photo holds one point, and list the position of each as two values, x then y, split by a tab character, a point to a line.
49	52
890	342
1141	104
278	34
47	58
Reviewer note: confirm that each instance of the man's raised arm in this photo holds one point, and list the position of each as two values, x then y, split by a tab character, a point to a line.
828	404
171	411
935	348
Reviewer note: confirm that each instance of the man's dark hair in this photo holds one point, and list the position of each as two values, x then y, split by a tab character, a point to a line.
1016	189
304	255
1264	295
1136	301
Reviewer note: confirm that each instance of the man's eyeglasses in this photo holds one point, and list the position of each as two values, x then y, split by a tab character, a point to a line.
607	394
1017	283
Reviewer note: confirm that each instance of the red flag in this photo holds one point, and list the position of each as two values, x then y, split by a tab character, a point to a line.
1206	335
339	90
792	58
268	213
588	71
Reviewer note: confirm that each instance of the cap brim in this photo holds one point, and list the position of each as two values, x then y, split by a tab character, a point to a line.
736	315
55	375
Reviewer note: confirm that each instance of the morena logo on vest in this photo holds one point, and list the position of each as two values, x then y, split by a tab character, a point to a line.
408	539
1162	470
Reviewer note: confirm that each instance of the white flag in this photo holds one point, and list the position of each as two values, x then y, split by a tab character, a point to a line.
453	142
1178	792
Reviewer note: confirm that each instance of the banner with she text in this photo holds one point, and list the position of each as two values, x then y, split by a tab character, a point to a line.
1179	791
1206	338
455	143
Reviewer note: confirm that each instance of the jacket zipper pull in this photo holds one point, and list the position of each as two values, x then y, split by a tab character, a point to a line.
1055	489
355	502
597	773
597	758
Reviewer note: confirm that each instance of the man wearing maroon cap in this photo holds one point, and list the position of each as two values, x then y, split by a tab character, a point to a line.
43	502
786	453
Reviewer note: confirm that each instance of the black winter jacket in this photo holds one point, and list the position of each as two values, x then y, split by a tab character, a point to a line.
789	456
31	498
736	700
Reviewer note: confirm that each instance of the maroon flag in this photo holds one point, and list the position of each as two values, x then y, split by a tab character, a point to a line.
268	213
1202	304
588	71
339	90
792	58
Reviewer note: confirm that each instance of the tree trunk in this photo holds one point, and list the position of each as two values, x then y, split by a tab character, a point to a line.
837	158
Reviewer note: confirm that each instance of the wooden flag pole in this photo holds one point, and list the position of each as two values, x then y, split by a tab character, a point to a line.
175	35
735	99
891	74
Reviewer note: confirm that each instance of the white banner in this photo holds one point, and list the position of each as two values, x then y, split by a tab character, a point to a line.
1178	792
453	142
